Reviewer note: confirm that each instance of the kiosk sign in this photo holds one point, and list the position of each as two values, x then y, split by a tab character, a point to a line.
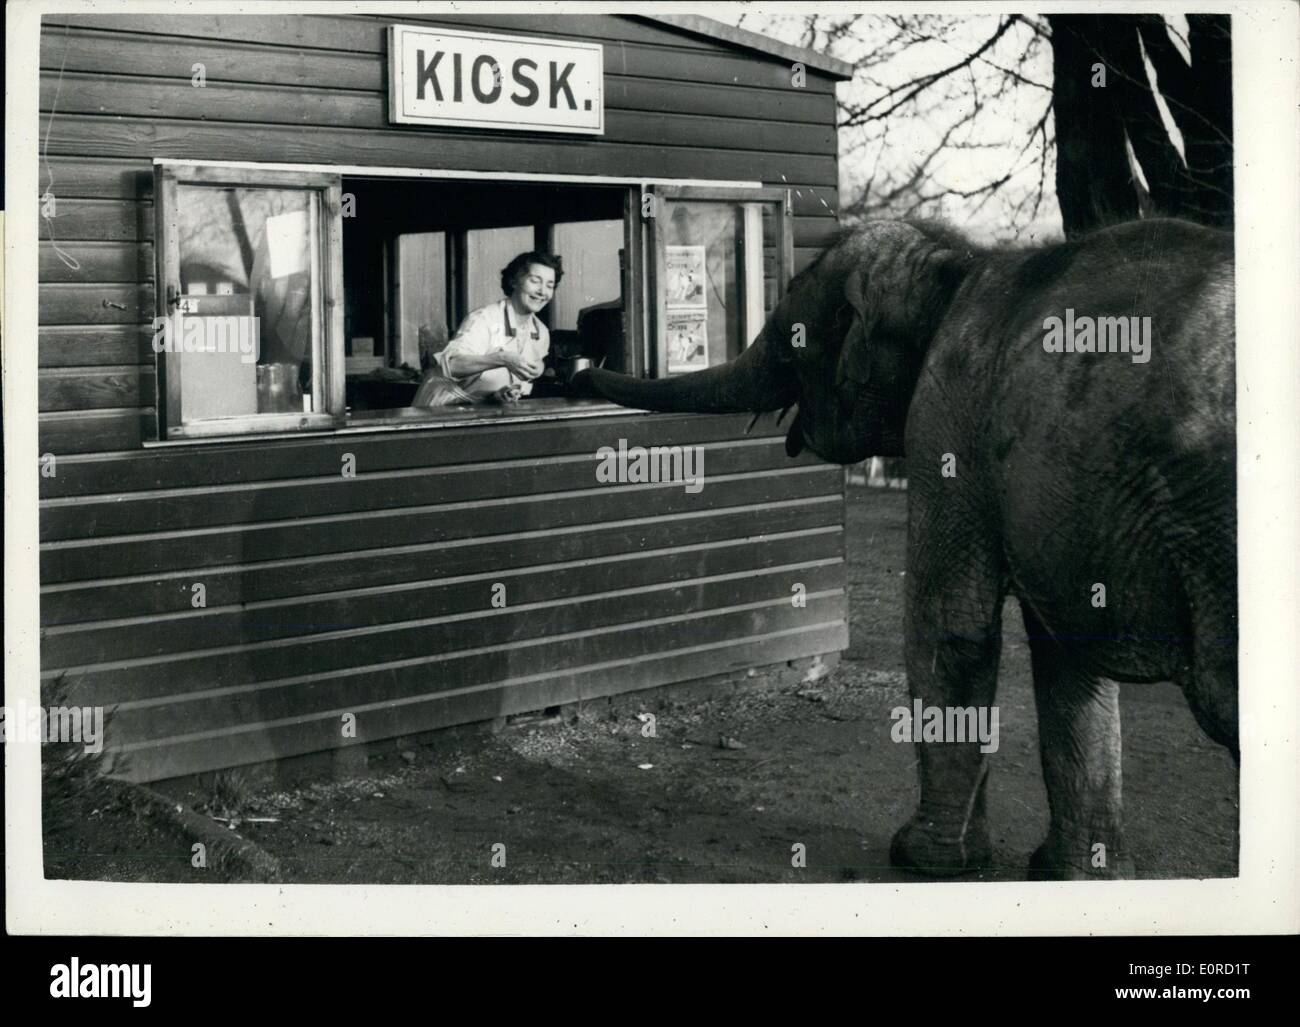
440	76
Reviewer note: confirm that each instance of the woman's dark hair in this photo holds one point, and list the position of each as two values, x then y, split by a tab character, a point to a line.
523	262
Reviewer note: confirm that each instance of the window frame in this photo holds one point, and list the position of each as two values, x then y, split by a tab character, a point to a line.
644	304
753	316
327	372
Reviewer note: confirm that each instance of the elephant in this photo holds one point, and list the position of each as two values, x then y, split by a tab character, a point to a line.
1093	481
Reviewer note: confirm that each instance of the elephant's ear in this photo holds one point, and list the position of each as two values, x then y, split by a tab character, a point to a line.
948	268
855	353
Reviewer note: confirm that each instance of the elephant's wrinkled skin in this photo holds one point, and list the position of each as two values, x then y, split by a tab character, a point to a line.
1071	470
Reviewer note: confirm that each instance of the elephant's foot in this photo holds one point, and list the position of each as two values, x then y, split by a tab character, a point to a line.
1053	861
941	849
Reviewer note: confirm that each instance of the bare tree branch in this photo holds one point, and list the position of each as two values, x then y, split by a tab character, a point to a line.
916	85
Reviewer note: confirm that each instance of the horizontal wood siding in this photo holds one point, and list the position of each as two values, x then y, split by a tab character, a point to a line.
372	595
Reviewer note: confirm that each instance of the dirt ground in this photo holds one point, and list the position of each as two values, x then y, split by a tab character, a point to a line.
100	835
726	787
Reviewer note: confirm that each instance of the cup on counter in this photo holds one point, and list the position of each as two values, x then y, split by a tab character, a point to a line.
278	391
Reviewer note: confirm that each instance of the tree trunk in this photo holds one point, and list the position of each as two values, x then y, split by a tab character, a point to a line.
1095	182
1094	185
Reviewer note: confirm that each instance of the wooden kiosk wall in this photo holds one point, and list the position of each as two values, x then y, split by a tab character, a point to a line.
371	595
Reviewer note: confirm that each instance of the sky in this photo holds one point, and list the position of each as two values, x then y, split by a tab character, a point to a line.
1001	138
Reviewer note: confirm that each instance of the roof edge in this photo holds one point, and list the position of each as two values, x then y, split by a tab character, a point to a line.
703	26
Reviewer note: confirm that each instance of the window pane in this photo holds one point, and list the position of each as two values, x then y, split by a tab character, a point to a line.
703	260
590	252
771	259
421	327
247	253
488	250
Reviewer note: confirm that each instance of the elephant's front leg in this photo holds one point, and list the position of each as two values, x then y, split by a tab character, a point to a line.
1079	738
953	640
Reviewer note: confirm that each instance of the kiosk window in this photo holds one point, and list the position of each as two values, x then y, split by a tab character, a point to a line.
435	248
282	307
242	334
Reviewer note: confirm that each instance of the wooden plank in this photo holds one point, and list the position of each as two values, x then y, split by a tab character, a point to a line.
82	93
88	135
814	232
95	345
101	178
96	303
816	201
681	61
228	63
95	388
209	629
114	261
259	459
172	592
195	752
100	220
216	547
84	517
261	683
94	431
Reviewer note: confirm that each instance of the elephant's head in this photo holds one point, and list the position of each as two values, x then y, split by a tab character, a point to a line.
846	343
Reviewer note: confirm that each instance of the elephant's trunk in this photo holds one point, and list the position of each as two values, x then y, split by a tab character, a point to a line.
754	381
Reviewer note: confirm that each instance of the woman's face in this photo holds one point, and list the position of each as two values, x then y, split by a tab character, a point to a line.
535	287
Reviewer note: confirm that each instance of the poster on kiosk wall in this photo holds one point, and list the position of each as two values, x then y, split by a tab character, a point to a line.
687	309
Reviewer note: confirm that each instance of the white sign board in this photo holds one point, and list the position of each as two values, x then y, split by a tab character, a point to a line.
440	76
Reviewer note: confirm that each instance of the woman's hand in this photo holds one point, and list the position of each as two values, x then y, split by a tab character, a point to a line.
507	395
521	364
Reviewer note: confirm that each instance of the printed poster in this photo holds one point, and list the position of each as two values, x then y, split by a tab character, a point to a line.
687	309
685	270
688	340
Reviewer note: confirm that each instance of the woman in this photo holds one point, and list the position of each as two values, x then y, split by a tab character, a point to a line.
500	348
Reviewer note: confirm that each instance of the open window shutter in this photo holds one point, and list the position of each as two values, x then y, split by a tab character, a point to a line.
220	392
718	259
